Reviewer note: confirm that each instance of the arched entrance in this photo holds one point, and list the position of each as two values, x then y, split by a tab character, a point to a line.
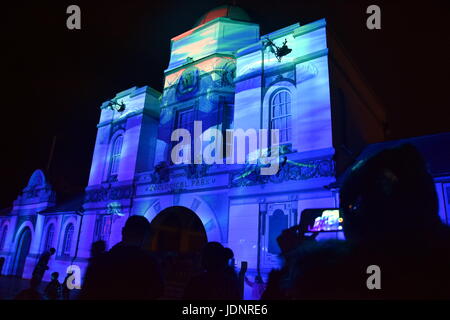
178	237
23	248
178	229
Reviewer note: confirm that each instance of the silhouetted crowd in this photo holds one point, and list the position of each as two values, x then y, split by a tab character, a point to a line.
54	289
390	219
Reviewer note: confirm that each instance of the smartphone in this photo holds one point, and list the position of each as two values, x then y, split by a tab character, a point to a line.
321	220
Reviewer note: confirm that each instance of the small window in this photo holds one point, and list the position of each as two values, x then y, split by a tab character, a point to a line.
68	236
280	115
115	155
49	237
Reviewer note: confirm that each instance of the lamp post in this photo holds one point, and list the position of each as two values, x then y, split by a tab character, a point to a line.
261	217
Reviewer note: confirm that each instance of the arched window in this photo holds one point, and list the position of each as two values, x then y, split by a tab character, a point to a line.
280	115
68	235
115	155
49	237
3	237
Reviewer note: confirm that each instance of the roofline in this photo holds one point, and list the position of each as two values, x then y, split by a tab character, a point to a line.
209	23
78	212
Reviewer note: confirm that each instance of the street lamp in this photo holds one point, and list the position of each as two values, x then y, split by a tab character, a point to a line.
116	106
279	52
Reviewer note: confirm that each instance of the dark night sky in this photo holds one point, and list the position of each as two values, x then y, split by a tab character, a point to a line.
54	79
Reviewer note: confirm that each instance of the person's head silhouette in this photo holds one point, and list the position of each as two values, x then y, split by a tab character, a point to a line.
229	255
136	230
97	248
389	198
55	275
52	251
214	257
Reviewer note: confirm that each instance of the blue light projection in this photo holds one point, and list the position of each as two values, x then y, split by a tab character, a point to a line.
219	73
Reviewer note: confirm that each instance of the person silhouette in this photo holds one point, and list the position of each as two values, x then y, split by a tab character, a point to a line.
98	248
216	282
2	262
390	210
126	271
42	265
390	218
98	251
229	256
53	289
65	287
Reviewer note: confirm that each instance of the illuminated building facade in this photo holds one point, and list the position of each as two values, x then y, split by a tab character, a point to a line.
223	73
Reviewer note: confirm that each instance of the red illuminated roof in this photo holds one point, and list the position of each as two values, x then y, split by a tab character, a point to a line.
226	11
214	14
231	12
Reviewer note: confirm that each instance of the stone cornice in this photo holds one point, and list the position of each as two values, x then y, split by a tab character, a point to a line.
129	115
133	92
309	27
283	68
194	62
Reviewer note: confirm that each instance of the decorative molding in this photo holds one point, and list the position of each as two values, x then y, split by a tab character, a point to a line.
22	219
290	171
217	90
111	193
116	126
126	117
36	194
160	173
194	171
188	83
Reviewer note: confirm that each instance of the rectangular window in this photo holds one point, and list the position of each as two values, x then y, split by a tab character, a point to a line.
102	228
278	217
186	120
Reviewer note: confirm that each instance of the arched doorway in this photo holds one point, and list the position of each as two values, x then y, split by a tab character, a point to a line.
23	248
178	229
178	237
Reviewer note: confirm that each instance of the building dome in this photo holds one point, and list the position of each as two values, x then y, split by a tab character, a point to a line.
226	11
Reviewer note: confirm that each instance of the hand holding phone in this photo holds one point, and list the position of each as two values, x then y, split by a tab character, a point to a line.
321	220
293	237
